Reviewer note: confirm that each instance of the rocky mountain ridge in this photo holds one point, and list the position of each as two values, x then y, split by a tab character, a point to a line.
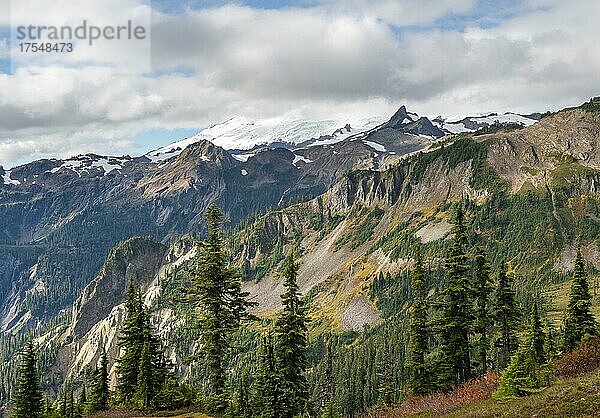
367	223
71	212
375	193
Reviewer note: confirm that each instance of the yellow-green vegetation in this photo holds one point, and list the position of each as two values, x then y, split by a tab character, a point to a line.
559	296
575	397
363	222
528	186
342	289
530	170
569	172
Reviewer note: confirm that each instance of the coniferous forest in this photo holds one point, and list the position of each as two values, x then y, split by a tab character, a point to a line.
360	302
474	327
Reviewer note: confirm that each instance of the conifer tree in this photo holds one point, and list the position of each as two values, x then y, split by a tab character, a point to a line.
328	384
152	373
131	343
331	411
221	305
551	347
63	404
456	310
385	374
82	400
518	379
506	314
524	373
292	343
329	404
240	406
537	336
267	400
67	408
482	292
27	402
142	370
579	319
49	410
71	407
99	391
143	393
418	345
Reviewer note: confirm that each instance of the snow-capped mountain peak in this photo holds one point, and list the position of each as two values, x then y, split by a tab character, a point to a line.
239	133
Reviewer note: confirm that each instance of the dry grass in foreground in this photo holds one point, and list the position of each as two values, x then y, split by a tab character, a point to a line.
134	414
443	403
575	393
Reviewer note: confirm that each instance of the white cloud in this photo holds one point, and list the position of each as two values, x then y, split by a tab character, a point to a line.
35	21
401	12
340	57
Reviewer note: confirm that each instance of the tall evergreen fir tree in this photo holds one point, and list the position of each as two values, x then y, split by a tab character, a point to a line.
536	335
27	402
418	344
328	384
143	395
72	405
63	404
221	305
153	371
292	343
328	402
82	400
456	310
240	406
385	375
525	371
506	317
579	319
482	293
141	369
551	346
49	410
131	343
99	391
268	397
67	407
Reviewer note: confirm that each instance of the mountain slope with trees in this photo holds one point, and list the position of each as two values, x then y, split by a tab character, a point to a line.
492	237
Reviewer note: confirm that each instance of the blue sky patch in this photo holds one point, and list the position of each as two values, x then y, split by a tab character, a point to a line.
151	139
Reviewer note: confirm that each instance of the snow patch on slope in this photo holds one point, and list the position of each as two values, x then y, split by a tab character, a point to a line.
242	157
456	125
375	146
298	158
7	180
90	162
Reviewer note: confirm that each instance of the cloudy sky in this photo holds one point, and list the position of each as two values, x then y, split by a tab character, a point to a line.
211	60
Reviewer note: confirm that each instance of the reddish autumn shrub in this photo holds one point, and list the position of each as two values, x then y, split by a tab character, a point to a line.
584	358
441	403
115	414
